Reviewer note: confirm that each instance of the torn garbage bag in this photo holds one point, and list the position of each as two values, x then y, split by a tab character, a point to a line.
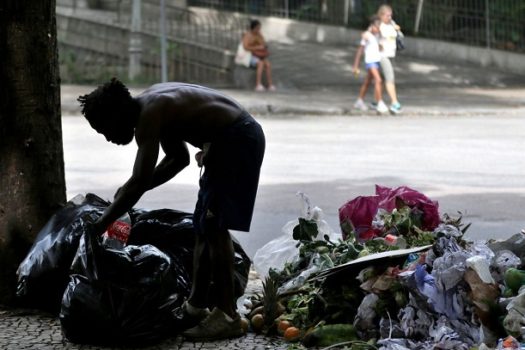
44	273
172	232
124	296
133	300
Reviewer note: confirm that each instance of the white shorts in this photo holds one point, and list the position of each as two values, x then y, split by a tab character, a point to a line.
387	69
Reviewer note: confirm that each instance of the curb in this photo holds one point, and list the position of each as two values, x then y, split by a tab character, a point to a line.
271	110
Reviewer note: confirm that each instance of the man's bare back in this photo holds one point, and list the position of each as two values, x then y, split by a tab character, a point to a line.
190	113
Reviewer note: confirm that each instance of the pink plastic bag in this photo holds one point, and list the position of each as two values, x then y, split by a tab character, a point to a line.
357	214
413	199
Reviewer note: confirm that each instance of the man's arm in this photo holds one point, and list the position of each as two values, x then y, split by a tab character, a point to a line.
147	137
129	194
177	159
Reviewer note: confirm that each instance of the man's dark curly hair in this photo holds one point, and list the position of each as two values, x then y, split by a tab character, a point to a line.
108	105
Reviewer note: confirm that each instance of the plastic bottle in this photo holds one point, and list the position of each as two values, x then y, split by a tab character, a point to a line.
116	236
394	240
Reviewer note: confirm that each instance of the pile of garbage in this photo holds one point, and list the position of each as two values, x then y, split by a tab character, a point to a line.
398	277
123	287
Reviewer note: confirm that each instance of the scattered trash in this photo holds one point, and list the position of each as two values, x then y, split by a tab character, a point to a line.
400	277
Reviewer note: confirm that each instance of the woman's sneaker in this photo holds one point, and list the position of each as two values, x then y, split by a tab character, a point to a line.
395	108
381	107
216	326
361	105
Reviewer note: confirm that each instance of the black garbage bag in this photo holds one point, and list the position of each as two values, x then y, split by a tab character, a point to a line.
115	296
44	273
172	232
120	297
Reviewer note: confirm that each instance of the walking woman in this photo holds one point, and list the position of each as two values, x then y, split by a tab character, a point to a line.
389	31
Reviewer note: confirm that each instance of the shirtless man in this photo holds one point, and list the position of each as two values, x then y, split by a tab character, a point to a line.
232	147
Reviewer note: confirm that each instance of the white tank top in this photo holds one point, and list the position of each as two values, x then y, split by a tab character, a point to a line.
371	44
388	39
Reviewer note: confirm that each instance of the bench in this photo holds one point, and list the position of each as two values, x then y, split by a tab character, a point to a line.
243	77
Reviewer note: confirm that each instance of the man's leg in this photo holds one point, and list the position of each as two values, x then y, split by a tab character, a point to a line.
201	273
222	260
195	309
223	321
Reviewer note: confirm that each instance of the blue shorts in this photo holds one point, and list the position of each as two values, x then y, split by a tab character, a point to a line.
372	65
253	61
229	183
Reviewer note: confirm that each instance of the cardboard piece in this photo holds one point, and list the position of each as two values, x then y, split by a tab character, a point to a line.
372	258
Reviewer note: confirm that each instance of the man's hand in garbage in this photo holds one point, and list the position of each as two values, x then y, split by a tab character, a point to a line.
96	228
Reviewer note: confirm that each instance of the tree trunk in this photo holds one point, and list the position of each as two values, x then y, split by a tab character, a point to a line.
32	182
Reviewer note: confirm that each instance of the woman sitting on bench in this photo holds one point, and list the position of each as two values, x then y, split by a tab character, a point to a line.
254	42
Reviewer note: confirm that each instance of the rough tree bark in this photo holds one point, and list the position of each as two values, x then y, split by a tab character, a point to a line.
32	182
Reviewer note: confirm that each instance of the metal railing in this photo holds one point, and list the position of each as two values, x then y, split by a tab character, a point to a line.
94	42
306	10
489	23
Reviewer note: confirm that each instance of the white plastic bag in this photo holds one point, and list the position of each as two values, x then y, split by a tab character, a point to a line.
281	250
242	56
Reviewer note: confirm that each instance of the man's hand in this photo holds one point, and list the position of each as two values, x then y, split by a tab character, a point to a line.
95	229
199	156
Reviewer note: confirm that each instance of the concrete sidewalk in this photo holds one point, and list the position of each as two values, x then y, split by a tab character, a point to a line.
317	79
31	329
328	100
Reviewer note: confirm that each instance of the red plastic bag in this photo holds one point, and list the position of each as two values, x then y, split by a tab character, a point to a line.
357	214
413	199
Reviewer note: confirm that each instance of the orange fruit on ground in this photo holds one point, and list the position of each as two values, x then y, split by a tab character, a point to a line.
292	333
283	326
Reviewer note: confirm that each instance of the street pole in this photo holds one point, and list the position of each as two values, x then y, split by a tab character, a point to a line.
487	23
135	41
346	10
418	16
163	49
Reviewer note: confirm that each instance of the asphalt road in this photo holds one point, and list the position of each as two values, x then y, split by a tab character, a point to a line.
471	164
